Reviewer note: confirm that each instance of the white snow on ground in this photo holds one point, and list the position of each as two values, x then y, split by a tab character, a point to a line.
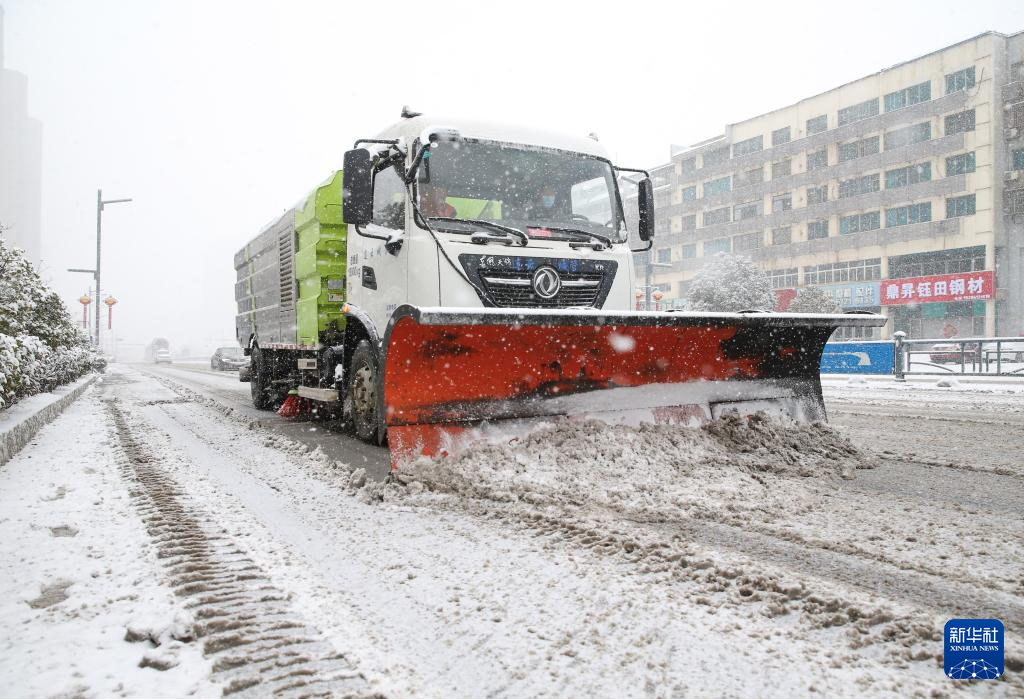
730	465
77	570
746	558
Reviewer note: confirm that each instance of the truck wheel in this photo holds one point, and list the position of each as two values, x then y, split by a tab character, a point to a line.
362	392
260	378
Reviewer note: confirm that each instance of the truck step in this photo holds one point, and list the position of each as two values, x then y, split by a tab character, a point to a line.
323	395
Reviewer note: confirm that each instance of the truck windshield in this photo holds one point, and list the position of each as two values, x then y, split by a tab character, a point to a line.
536	190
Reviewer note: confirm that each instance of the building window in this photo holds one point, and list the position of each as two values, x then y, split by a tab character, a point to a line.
908	96
780	136
908	135
838	272
751	145
961	164
717	156
719	186
783	278
1018	160
904	176
782	168
782	202
664	254
906	215
817	229
858	149
858	185
960	122
688	223
817	159
687	166
817	124
713	218
746	242
960	80
1017	119
713	247
926	264
689	251
1013	201
745	211
864	110
748	178
690	193
817	195
782	236
860	222
960	206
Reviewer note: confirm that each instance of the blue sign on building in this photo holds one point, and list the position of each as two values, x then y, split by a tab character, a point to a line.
878	357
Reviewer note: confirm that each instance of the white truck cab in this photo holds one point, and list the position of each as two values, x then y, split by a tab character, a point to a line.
462	214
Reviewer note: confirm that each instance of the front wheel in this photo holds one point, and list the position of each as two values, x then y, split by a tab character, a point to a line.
362	393
259	382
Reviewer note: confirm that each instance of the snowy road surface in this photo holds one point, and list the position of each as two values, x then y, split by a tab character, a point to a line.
164	538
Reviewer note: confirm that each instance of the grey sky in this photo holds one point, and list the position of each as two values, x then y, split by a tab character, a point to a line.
216	116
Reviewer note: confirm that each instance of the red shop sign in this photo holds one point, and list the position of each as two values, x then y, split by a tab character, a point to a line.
965	286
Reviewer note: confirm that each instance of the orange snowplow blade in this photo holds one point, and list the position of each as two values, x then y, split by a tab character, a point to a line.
454	376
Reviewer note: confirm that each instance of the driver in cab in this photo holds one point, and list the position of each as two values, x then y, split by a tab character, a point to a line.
434	202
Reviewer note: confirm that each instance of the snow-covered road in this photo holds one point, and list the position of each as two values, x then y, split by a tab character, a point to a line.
741	559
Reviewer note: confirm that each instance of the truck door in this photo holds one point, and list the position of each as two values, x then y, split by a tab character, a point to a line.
379	285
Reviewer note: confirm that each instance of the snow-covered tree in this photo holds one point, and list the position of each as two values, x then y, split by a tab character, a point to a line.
813	299
40	346
730	283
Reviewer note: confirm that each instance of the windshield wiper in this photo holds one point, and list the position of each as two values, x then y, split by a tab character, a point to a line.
523	239
605	241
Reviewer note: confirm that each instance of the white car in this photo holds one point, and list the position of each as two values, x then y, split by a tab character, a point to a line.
162	356
1006	351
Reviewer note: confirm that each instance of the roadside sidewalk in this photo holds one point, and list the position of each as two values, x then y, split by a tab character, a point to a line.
20	422
77	572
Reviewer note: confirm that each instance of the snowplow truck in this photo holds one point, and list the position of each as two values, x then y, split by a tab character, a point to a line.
460	281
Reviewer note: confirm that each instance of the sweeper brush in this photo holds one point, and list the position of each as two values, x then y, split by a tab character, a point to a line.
454	376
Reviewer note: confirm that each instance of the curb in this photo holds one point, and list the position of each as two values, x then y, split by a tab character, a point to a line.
16	435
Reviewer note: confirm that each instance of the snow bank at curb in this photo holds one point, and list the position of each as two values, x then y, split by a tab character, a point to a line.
731	465
20	423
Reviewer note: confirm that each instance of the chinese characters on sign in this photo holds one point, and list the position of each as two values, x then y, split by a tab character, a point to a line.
965	286
854	295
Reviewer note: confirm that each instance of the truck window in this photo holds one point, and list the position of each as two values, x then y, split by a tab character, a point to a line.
590	199
389	199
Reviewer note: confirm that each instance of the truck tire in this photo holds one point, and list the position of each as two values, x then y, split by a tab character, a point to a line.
362	392
259	383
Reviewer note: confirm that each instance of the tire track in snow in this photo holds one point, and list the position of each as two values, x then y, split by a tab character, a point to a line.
257	644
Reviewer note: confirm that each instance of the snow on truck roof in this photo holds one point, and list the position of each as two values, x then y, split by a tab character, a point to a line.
493	131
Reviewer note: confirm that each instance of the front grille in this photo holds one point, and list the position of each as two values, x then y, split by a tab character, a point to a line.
515	290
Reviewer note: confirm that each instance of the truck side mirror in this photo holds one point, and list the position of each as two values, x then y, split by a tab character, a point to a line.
645	202
357	187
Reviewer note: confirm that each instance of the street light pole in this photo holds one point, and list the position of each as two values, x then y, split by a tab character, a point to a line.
99	237
648	279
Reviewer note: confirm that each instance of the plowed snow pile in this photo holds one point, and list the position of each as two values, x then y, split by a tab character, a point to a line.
732	465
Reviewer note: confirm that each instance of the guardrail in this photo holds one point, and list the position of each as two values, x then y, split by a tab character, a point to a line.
968	356
899	357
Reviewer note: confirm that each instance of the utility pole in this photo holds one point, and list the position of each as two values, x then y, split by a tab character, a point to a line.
649	269
100	203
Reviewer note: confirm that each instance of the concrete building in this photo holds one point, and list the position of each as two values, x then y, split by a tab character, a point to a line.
21	158
900	193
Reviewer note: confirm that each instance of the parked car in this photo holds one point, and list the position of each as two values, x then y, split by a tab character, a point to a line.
1006	352
162	356
228	359
950	352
